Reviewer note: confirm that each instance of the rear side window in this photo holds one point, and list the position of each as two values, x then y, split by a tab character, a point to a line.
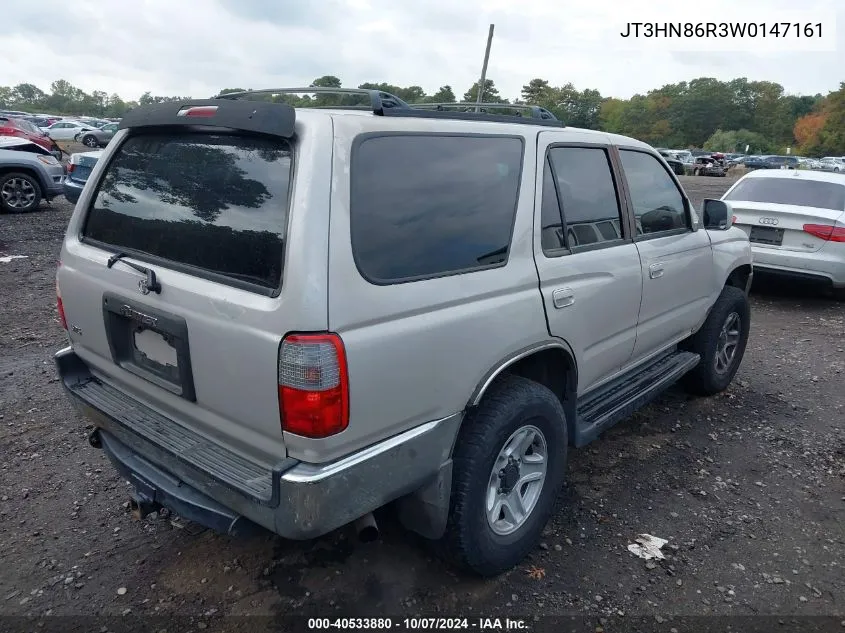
587	195
424	206
211	203
790	190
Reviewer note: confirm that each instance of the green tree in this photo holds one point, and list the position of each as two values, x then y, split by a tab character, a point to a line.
444	94
831	138
29	96
6	97
490	94
736	141
699	111
537	91
326	81
772	115
612	114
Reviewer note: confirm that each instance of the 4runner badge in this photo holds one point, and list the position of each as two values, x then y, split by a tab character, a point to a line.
131	313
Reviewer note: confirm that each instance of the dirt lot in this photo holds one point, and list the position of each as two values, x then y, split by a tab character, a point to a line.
747	488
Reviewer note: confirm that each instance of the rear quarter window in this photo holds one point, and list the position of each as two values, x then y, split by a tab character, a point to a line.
426	205
215	205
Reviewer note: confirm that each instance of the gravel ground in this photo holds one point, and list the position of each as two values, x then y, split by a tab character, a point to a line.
746	487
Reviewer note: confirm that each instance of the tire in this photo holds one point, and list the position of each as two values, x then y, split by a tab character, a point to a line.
696	172
712	375
513	406
19	193
89	140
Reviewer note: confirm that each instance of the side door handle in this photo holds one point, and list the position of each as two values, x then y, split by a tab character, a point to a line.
563	297
655	270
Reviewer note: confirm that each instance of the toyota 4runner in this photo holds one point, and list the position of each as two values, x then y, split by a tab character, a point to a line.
290	317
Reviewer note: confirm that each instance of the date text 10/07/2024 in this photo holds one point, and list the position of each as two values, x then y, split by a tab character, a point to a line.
418	624
795	30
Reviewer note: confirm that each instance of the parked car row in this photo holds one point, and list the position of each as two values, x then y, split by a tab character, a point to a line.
92	132
21	128
703	163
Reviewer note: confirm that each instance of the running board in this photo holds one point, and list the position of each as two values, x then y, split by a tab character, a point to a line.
600	410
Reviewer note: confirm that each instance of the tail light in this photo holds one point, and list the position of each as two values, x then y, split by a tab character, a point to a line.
59	305
313	385
826	232
70	167
733	219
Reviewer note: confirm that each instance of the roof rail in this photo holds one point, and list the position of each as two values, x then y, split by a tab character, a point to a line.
536	112
467	112
379	100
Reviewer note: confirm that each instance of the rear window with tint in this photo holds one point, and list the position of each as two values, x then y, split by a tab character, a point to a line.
424	206
215	203
791	190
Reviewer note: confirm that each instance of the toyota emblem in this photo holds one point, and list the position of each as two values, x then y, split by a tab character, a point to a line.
142	286
770	221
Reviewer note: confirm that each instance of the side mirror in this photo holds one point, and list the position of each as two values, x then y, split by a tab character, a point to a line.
718	215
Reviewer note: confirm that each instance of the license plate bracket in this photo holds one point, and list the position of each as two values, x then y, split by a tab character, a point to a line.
149	343
766	235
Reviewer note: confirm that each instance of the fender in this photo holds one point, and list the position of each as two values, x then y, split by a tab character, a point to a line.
731	251
426	511
515	357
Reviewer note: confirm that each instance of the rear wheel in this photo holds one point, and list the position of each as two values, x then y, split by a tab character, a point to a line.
509	464
19	193
721	344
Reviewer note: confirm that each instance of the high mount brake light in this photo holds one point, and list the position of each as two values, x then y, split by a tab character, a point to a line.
197	111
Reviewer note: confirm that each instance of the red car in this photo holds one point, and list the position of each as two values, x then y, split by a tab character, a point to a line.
11	126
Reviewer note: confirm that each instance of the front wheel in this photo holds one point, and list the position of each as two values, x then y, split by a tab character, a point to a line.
89	140
721	344
19	193
508	467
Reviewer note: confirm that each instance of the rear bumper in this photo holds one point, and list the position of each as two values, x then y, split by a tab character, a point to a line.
202	482
825	266
72	189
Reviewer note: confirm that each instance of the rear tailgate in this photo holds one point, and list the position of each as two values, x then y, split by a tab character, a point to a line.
206	210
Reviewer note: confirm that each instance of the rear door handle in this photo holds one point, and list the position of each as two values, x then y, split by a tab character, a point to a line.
563	297
655	270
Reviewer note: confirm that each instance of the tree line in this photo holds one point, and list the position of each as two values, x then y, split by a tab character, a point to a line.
704	113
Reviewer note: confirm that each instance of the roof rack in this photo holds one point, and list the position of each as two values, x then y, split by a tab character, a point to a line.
385	104
379	100
536	111
533	115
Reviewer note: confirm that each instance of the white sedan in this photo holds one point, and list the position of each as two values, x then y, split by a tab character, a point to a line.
795	221
66	130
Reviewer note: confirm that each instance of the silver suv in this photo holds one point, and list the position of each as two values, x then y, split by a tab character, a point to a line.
291	317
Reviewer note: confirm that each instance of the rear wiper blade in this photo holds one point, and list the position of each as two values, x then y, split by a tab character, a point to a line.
151	284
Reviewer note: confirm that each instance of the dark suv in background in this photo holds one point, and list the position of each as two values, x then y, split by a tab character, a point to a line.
772	162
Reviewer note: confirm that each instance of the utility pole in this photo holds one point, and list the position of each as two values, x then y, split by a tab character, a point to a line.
483	80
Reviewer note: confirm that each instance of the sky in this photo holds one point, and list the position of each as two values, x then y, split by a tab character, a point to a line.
197	47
